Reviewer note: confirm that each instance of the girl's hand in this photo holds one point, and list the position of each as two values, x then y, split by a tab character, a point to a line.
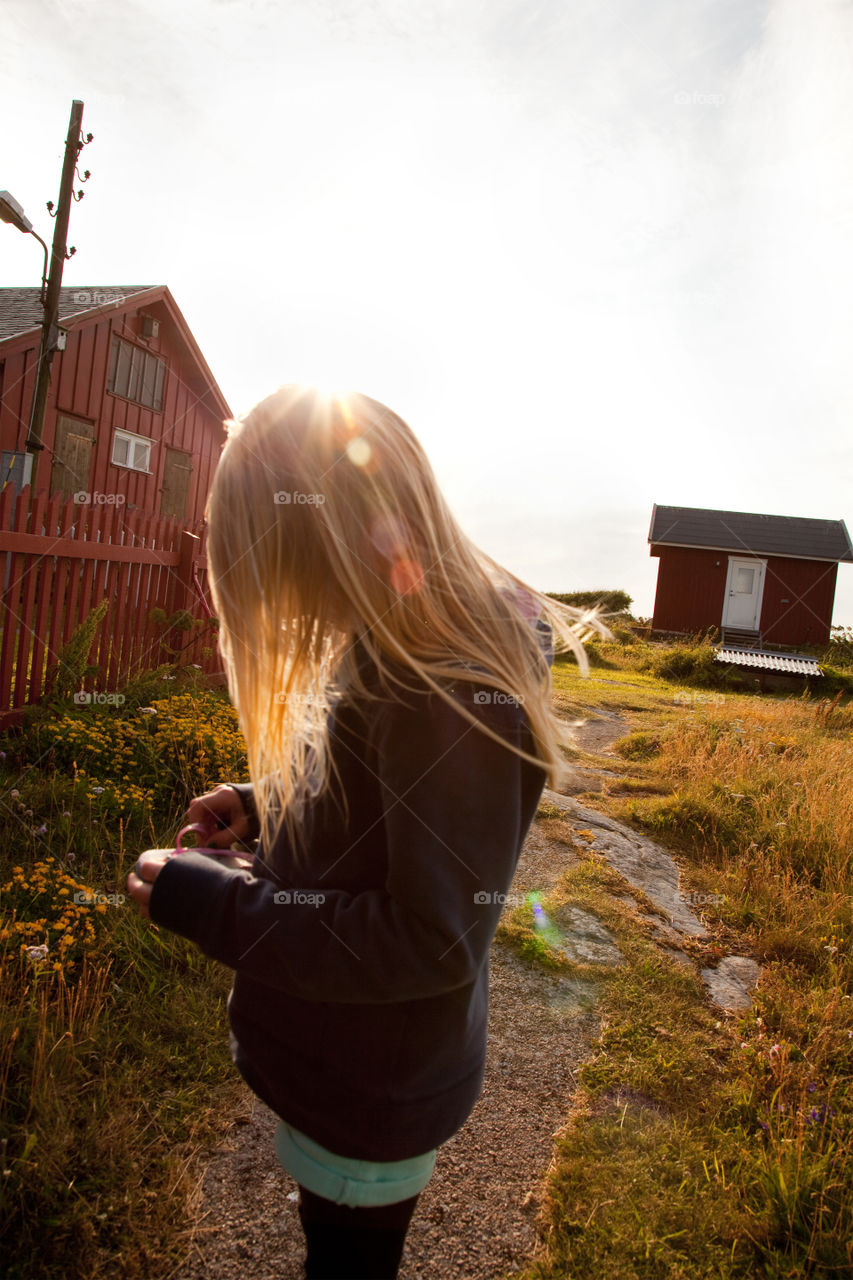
141	879
215	808
220	812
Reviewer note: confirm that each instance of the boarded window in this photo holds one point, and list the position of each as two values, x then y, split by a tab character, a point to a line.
136	374
177	470
72	456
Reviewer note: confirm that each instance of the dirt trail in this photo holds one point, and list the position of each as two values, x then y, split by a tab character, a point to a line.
476	1218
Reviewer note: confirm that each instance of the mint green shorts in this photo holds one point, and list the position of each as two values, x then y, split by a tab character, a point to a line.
342	1180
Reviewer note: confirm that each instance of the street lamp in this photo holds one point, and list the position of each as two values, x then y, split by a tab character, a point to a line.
11	212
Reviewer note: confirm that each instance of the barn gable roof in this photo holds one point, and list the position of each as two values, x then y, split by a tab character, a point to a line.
21	313
21	309
750	533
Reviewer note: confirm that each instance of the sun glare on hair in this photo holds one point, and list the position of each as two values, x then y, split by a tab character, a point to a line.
359	451
345	429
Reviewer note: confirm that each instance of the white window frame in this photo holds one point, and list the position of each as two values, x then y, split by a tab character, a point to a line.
132	441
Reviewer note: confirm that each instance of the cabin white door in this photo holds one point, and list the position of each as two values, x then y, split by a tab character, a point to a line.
744	591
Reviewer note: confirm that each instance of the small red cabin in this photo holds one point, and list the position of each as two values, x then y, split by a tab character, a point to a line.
134	415
760	579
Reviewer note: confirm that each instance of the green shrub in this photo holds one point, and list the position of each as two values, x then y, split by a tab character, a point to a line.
72	665
609	601
839	651
835	681
637	746
595	651
693	664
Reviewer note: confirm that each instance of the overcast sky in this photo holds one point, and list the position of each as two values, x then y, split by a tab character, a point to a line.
598	254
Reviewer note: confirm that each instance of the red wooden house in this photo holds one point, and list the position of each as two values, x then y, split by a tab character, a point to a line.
762	580
111	506
134	414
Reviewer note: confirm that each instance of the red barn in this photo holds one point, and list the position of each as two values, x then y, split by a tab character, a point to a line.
760	579
134	414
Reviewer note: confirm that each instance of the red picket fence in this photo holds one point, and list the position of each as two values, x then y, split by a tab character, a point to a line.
60	559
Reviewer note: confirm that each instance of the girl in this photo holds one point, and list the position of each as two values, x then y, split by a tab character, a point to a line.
392	683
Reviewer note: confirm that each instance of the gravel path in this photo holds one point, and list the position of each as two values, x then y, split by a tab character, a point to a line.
476	1216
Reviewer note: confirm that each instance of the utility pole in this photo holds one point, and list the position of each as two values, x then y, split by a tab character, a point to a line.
74	144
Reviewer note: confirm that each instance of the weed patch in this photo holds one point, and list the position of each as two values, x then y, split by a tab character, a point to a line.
114	1059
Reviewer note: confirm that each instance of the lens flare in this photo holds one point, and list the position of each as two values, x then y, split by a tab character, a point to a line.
389	536
540	920
359	451
543	925
407	577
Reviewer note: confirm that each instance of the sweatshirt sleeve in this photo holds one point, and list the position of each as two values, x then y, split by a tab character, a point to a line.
451	812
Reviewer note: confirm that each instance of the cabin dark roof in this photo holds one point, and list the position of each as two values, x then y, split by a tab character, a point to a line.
21	309
750	533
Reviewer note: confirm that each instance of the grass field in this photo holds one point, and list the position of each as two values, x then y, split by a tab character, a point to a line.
698	1144
704	1144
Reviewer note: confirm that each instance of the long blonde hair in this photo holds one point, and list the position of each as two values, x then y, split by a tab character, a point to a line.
325	519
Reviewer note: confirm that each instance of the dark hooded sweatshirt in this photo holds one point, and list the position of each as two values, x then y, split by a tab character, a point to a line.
359	1006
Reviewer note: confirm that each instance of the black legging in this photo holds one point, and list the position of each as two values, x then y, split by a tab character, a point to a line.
353	1244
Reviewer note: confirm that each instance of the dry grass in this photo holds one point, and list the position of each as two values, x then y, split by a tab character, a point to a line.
701	1149
113	1036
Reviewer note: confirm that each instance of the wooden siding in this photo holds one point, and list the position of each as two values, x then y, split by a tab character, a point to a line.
796	606
18	386
691	588
798	600
190	420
